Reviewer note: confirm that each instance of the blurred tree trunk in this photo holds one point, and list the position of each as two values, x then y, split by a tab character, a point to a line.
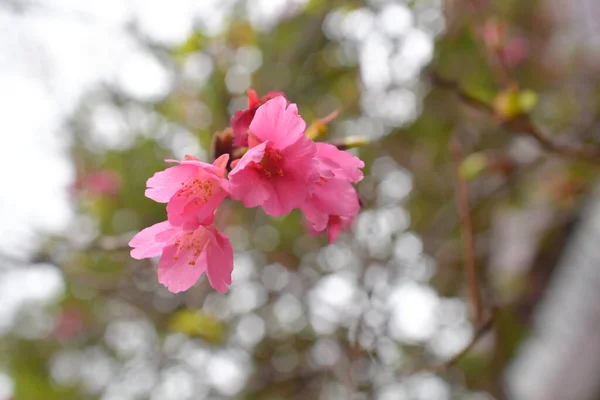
561	358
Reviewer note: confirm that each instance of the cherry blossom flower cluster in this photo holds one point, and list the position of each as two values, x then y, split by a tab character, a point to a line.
281	169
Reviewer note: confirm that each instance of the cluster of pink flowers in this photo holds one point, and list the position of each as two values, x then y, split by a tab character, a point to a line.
281	169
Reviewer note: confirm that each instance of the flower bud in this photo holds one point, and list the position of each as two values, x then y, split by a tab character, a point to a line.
222	143
349	142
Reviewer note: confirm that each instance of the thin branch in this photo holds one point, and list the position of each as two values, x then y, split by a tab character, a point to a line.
465	97
466	229
524	124
521	124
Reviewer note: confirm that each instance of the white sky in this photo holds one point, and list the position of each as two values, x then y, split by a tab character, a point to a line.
49	56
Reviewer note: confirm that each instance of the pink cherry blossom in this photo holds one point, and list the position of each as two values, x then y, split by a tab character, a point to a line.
186	255
240	122
193	190
279	170
334	199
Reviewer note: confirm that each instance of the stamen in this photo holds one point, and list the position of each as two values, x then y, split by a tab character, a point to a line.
200	190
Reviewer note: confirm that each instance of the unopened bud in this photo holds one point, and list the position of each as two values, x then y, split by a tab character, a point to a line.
494	34
350	142
238	152
315	130
222	143
319	127
512	102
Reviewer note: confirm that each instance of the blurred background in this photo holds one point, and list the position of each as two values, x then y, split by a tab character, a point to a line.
95	94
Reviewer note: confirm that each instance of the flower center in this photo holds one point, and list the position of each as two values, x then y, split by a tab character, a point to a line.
196	188
191	244
270	165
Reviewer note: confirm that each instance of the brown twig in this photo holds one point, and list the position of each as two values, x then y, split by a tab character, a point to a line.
465	97
466	230
520	124
524	124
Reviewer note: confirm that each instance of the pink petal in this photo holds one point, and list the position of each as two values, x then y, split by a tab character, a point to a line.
182	264
252	98
249	188
286	194
219	255
335	197
325	169
344	164
164	184
303	150
225	185
168	234
254	154
275	122
337	225
299	161
240	122
316	218
221	164
204	212
150	241
179	275
183	212
246	184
